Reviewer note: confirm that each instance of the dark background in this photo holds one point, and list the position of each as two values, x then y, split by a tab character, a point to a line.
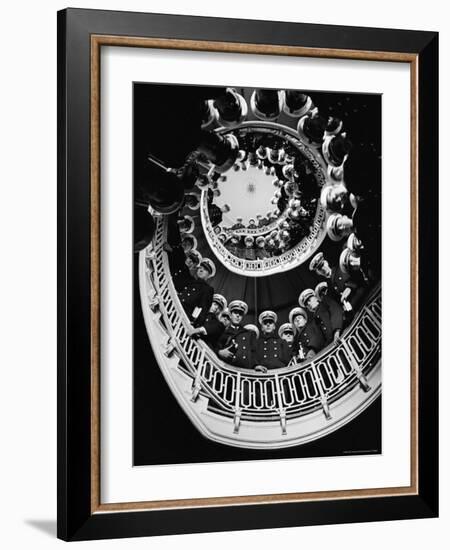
165	119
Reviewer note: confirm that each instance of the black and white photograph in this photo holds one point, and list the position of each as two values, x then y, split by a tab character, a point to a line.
225	264
257	273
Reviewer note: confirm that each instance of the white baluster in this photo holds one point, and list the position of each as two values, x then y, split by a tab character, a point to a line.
154	304
237	407
193	353
198	378
281	409
356	367
323	396
170	347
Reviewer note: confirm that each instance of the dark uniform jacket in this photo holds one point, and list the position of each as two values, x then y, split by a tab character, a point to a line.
339	281
290	347
309	338
238	226
215	214
178	268
261	253
196	294
272	352
236	250
329	317
249	253
270	249
177	258
243	345
214	330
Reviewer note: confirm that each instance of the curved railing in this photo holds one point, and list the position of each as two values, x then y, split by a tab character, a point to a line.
300	252
256	231
268	266
241	407
290	134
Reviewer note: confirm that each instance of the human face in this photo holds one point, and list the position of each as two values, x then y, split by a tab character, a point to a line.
299	321
202	273
268	326
236	317
225	320
189	263
313	303
288	337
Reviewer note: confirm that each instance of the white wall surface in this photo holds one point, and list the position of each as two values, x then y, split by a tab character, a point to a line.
28	273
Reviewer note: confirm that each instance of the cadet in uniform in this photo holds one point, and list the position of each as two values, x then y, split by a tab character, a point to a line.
188	242
212	329
249	252
344	287
261	251
177	249
216	213
238	224
177	264
354	260
339	226
286	333
224	318
263	221
270	245
193	259
186	224
196	295
321	289
336	198
308	339
234	247
271	351
326	312
237	344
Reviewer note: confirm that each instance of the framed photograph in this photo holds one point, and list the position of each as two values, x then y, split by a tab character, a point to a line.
247	255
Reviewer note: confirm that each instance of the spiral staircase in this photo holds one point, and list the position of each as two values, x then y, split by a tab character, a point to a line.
303	401
295	255
281	408
267	266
